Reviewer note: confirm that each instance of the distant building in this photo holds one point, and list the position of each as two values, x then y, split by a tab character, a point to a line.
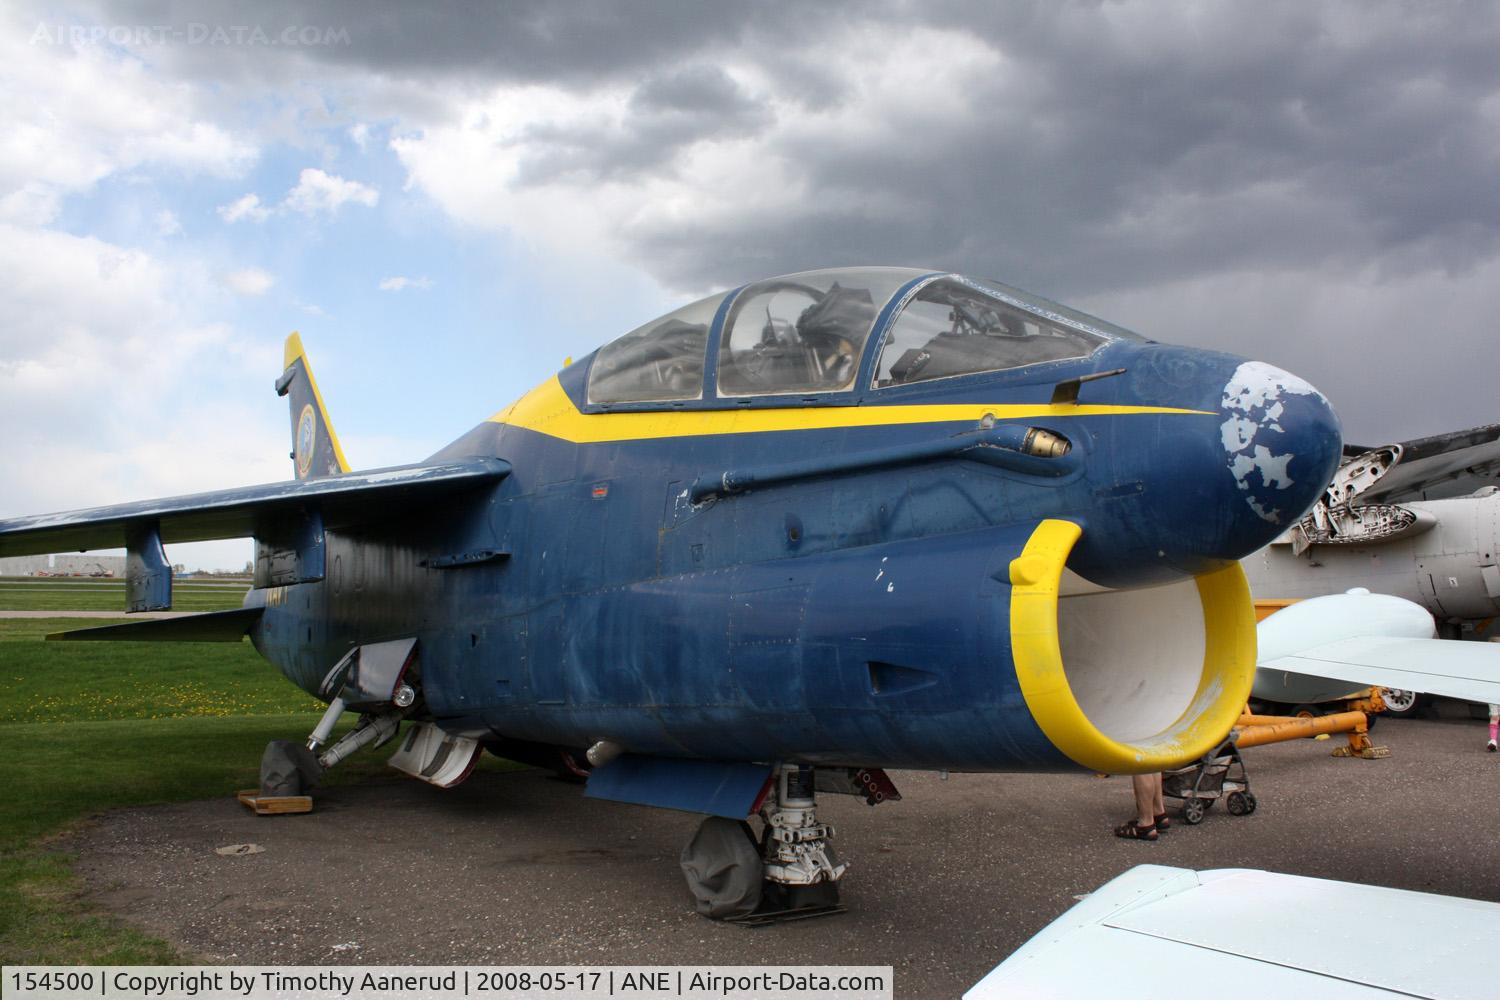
64	565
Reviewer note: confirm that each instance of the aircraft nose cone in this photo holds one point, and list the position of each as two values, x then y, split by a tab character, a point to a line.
1249	451
1281	444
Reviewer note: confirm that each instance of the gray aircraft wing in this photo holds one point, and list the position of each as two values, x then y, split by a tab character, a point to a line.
1240	933
287	521
1466	670
350	498
1438	467
1469	671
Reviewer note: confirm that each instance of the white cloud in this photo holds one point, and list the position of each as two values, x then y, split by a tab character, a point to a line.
167	223
32	204
249	281
317	191
360	135
72	117
247	207
156	404
401	282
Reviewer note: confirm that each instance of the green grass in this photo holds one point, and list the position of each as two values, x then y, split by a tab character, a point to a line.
76	681
73	595
91	726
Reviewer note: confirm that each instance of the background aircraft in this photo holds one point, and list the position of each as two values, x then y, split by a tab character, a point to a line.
1418	520
1324	648
816	525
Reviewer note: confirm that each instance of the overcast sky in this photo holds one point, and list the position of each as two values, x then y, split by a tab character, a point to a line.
448	202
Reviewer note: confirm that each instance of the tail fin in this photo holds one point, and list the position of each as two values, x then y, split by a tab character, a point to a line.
315	446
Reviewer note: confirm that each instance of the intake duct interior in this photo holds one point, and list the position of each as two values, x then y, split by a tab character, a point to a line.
1129	681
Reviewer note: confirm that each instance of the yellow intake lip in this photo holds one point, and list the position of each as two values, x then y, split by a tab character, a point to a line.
1223	685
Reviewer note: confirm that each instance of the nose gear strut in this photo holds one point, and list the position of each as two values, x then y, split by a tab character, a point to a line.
796	845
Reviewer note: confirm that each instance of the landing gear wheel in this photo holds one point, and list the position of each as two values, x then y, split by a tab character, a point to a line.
723	869
1306	712
288	768
1192	811
1240	803
1400	704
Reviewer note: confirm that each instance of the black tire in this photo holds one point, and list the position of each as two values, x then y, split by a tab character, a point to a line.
1250	803
1192	811
723	869
1240	803
288	768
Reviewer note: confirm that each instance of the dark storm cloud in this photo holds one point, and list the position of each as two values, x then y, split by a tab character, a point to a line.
699	89
665	113
1118	151
1259	137
1124	144
511	41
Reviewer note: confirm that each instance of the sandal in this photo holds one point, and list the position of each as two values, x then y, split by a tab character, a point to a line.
1163	823
1134	831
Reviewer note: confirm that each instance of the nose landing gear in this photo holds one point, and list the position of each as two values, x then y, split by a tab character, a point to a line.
789	872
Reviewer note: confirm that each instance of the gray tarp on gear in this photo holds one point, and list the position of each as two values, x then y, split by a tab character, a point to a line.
288	768
723	869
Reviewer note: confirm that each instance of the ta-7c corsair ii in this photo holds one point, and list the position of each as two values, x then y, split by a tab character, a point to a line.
771	543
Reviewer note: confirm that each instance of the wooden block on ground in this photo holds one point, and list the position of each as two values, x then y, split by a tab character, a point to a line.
274	805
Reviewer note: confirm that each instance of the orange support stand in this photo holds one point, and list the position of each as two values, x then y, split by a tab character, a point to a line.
1259	730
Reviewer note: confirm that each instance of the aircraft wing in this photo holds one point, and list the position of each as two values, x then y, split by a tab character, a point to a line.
287	521
1245	933
1445	465
1447	667
342	500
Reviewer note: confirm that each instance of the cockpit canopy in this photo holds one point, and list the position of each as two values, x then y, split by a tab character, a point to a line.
806	334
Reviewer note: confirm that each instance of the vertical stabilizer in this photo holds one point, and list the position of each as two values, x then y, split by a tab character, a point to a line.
315	446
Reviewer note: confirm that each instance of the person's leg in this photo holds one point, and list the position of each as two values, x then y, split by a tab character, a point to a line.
1147	788
1158	806
1494	725
1147	791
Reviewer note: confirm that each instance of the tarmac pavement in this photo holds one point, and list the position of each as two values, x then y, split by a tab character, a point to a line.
520	869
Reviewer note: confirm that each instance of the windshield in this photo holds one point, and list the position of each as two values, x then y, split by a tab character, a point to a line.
803	332
951	327
662	360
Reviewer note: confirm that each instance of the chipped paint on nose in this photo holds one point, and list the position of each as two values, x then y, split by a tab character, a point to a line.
1270	418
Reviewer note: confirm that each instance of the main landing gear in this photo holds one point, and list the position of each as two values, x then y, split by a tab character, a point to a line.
790	871
287	768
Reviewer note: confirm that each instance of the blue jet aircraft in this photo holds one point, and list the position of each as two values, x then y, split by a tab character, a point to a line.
769	544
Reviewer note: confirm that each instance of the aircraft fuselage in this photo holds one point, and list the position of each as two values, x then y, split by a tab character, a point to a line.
838	610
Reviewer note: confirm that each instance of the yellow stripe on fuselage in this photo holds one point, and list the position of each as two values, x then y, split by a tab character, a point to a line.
548	410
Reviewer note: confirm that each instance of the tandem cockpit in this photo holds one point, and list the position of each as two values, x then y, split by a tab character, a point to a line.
822	333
